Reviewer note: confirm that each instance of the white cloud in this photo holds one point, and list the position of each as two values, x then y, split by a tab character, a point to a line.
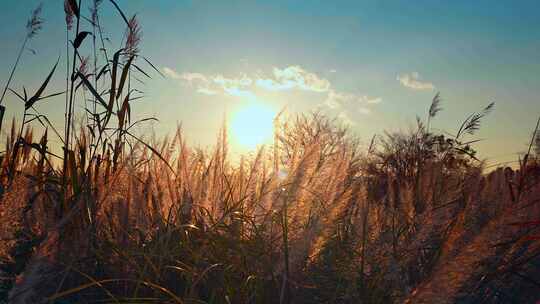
232	82
412	81
272	85
363	110
234	91
171	73
234	86
336	100
281	80
213	84
333	71
294	77
206	91
193	77
346	119
368	100
199	81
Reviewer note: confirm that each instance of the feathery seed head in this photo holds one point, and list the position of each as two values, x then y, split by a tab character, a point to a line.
35	23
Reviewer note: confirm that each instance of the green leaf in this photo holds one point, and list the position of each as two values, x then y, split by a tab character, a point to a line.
141	70
156	69
103	70
112	92
30	102
79	39
2	111
73	171
91	89
123	78
51	95
125	110
153	151
18	95
113	78
120	11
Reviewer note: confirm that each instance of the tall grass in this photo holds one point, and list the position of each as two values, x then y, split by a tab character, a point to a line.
316	218
33	26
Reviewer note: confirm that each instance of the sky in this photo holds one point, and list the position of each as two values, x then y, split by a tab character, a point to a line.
373	65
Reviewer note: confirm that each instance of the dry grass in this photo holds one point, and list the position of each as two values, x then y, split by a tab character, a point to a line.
316	218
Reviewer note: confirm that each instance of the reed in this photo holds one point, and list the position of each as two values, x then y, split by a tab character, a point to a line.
122	217
33	26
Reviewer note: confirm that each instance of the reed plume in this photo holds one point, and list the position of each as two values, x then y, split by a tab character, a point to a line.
133	38
35	23
319	218
69	14
33	26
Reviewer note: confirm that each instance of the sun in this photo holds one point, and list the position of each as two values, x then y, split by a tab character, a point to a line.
253	125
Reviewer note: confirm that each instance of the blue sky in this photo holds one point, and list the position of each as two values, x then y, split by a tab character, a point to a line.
373	64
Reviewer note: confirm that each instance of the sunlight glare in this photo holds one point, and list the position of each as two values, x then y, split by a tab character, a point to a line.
253	125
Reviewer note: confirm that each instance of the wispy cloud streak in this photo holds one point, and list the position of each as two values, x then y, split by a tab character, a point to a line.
413	81
282	80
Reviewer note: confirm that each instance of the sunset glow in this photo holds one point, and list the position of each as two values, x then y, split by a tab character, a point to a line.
253	125
291	152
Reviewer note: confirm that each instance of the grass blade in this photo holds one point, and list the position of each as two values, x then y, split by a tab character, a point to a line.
30	102
80	38
92	89
123	77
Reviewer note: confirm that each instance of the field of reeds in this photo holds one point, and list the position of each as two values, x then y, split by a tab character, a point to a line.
117	217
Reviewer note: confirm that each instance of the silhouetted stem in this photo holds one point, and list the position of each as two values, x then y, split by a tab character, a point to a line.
70	109
13	70
11	77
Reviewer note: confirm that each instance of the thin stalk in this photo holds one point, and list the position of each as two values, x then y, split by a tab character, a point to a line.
94	110
16	150
285	289
523	169
67	85
535	132
71	100
11	75
13	69
365	218
96	144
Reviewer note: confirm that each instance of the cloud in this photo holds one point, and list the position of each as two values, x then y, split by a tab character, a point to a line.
335	100
272	85
363	110
171	73
190	78
193	77
206	91
294	77
282	80
346	119
333	71
234	91
213	84
234	86
412	81
199	81
225	82
368	100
